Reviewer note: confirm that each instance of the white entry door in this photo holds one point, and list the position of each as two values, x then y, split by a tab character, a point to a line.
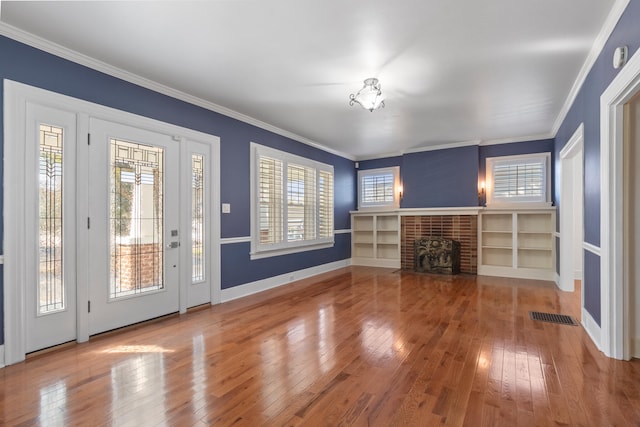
49	234
134	233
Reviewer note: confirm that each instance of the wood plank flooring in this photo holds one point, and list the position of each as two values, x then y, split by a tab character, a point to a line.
358	346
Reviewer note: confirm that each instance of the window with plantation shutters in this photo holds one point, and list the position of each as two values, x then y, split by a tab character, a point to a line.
292	203
377	188
518	179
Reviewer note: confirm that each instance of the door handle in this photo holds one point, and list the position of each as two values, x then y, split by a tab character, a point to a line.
173	245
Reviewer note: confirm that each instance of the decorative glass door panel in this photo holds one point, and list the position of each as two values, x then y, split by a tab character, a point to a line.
134	225
51	290
197	221
136	233
197	218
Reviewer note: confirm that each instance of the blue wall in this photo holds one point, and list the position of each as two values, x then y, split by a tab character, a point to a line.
586	109
457	170
31	66
440	178
425	174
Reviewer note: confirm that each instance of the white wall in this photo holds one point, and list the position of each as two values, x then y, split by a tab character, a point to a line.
578	206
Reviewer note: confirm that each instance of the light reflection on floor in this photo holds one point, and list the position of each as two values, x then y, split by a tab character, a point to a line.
137	349
138	381
53	404
199	373
308	354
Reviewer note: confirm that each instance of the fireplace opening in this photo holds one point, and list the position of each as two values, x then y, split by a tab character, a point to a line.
437	255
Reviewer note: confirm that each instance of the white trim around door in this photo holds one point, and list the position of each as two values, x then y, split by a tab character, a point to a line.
16	97
613	289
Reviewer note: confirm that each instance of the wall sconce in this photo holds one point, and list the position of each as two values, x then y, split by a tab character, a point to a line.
481	193
400	191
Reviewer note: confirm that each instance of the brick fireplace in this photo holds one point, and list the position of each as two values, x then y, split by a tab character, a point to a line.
462	228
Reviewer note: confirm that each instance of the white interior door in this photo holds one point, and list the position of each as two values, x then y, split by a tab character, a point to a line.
49	172
133	225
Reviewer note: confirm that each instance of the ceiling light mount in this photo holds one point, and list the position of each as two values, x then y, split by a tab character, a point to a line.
370	96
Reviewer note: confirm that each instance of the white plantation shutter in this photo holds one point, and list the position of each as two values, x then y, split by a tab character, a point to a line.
514	179
271	206
292	202
518	180
325	204
377	187
301	203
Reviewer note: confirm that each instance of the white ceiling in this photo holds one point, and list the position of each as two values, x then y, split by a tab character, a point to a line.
452	71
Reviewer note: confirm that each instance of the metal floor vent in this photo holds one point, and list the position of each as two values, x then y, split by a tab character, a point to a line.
562	319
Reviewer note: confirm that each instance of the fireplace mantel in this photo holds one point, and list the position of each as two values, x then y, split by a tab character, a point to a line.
385	237
463	210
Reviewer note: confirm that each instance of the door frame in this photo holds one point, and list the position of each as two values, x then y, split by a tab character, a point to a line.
16	95
572	152
614	282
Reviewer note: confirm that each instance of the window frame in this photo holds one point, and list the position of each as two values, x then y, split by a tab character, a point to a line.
395	204
529	201
284	247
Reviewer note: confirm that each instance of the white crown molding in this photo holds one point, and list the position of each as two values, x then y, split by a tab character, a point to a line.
379	156
609	24
525	138
443	146
87	61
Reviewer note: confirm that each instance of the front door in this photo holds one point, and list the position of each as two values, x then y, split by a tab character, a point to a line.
134	234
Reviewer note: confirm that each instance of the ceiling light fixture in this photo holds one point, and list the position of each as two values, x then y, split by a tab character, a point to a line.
370	96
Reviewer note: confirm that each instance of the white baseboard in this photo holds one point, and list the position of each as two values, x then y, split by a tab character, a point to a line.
635	348
376	262
592	328
2	356
283	279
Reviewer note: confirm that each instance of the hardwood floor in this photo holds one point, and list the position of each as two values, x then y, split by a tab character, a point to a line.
358	346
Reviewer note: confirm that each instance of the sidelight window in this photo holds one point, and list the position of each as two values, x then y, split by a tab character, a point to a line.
51	296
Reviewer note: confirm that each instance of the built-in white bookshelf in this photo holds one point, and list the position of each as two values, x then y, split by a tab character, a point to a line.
375	239
517	243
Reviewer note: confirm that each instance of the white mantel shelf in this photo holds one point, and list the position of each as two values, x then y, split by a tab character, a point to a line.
421	211
463	210
473	210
